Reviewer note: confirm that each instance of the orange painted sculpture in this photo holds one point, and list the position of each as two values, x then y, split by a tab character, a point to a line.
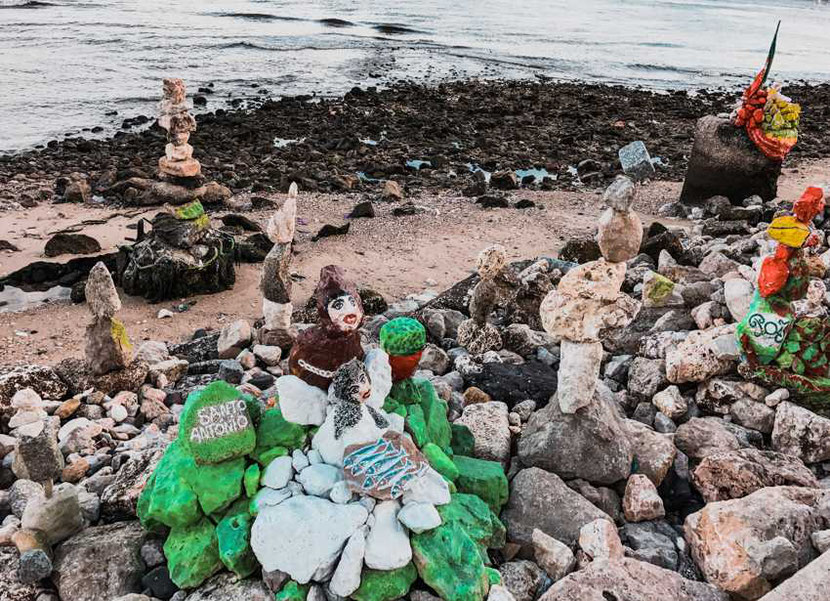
782	347
770	119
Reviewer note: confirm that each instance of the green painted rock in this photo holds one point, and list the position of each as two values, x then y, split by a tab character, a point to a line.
493	576
251	479
233	535
403	336
377	585
448	560
476	518
463	442
219	485
421	393
215	425
274	431
483	478
439	461
192	554
416	425
292	592
168	497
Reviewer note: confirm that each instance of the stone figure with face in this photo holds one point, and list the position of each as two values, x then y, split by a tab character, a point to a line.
344	312
350	390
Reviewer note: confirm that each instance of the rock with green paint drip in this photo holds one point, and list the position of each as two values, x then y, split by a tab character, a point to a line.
292	592
215	425
660	291
192	554
377	585
233	535
450	563
251	479
476	518
482	478
439	461
275	431
403	336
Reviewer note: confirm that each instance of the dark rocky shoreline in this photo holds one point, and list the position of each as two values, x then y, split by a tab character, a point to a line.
571	130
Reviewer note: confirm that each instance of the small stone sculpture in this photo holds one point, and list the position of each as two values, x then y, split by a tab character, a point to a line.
174	116
276	273
403	339
107	345
335	340
496	285
588	299
781	346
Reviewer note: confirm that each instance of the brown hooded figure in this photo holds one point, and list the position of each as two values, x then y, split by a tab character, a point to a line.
335	340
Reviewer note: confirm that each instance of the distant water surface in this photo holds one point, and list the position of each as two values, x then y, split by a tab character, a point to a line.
65	64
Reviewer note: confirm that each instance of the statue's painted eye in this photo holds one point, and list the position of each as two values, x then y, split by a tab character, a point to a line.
337	304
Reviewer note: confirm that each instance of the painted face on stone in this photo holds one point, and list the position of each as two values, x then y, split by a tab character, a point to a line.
344	313
352	383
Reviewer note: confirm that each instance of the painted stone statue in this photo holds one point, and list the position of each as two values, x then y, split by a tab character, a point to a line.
335	340
404	339
782	346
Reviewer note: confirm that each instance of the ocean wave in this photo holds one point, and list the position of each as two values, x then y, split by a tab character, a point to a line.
256	16
394	28
25	4
671	68
253	46
334	22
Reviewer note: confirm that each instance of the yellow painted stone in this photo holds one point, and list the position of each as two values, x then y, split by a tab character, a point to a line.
788	231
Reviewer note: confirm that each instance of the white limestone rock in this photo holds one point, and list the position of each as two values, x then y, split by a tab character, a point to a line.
419	517
346	579
300	402
387	545
277	474
319	479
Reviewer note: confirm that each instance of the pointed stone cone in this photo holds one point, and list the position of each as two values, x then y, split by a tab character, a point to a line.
282	223
107	346
101	295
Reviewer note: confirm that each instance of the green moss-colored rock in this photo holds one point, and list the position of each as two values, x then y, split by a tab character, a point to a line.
251	479
292	591
233	536
215	425
448	560
415	391
483	478
416	425
168	498
192	554
463	442
218	485
274	431
440	462
403	336
476	518
377	585
268	455
493	576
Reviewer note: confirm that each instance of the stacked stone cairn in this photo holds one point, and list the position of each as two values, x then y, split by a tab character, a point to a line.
276	280
175	118
107	346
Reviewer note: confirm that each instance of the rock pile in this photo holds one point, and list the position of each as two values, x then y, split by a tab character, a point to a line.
676	478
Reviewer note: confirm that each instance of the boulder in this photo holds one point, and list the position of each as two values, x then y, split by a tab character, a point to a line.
227	587
40	378
808	584
490	429
101	563
233	338
522	578
513	384
553	556
697	358
641	501
734	474
539	499
11	587
745	545
590	444
653	452
387	545
630	580
703	436
802	433
599	540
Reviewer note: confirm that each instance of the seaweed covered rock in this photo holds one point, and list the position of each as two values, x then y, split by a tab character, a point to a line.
180	257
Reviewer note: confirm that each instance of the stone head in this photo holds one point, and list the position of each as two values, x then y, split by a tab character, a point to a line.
491	261
338	303
352	383
620	194
174	90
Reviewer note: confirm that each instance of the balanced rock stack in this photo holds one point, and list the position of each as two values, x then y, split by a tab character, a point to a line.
175	117
107	345
276	273
476	334
588	299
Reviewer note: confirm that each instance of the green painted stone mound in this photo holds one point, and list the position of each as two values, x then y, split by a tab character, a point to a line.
482	478
403	336
376	585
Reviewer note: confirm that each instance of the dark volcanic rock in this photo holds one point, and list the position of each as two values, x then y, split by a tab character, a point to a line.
199	349
513	384
71	244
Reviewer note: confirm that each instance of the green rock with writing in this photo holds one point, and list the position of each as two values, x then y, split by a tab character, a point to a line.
215	424
233	535
482	478
275	431
449	561
292	591
192	554
377	585
439	461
